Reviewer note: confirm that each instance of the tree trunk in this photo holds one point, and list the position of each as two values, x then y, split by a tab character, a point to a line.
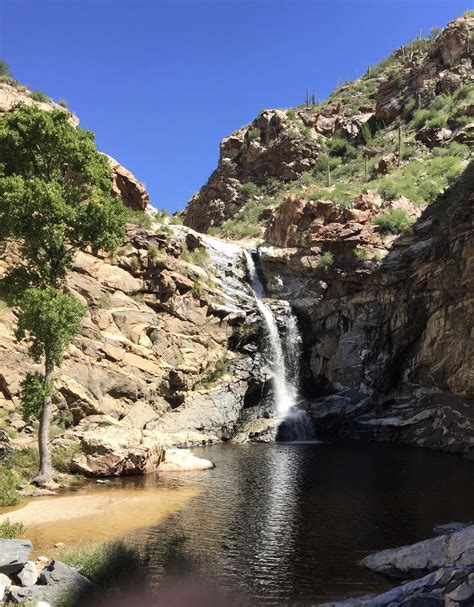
45	475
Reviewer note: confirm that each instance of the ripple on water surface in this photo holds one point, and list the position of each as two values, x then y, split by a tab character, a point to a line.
286	524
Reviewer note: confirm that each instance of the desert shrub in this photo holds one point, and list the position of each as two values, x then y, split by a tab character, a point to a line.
134	262
39	96
9	482
361	253
420	118
254	134
366	134
453	149
4	69
10	531
438	121
240	229
62	457
198	257
248	188
342	148
139	218
392	221
306	132
409	107
291	114
323	162
66	419
397	80
154	252
63	103
325	261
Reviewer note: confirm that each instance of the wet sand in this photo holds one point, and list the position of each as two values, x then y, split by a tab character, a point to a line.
98	514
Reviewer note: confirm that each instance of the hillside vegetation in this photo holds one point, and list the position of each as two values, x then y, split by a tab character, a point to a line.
404	129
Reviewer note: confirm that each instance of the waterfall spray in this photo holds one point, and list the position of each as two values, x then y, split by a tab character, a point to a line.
285	380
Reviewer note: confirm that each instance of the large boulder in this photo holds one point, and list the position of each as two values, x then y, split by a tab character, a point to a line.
426	556
57	582
117	450
14	554
127	186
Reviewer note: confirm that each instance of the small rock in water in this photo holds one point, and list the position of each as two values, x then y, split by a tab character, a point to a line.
101	481
28	575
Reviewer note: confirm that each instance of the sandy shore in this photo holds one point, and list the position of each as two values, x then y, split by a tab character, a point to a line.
95	515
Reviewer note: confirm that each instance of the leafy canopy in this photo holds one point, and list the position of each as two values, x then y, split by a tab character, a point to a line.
55	193
49	320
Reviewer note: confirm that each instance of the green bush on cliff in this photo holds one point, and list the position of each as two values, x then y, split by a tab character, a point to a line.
39	96
199	257
325	261
254	134
392	221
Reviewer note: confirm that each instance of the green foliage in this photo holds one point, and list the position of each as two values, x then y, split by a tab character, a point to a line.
325	261
254	134
9	495
134	262
10	531
154	252
54	193
33	390
323	162
39	96
397	80
66	419
48	320
342	148
63	103
361	253
63	456
18	467
4	69
291	114
366	134
434	31
139	218
306	132
107	564
199	257
392	221
248	189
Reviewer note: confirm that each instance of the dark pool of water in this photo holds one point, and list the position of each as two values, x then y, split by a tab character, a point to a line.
286	524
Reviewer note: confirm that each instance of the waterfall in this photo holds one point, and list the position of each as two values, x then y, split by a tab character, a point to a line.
285	376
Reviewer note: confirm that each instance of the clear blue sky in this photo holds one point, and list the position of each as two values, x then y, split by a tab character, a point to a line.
160	82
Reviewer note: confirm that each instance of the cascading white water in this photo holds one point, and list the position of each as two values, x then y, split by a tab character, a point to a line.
285	381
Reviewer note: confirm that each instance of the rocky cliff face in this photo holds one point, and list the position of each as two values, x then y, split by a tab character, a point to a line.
389	344
169	343
385	310
424	87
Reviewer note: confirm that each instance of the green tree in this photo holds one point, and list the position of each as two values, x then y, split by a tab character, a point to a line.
55	198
